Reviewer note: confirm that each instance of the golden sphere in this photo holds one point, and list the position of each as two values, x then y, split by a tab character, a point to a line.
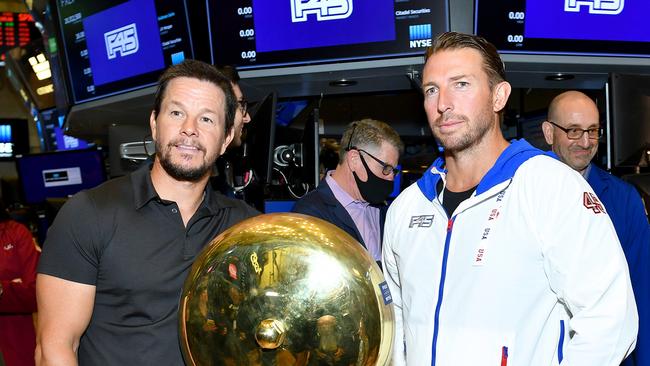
285	289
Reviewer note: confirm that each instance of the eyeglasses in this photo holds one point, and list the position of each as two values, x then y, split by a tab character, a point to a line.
576	133
386	169
243	106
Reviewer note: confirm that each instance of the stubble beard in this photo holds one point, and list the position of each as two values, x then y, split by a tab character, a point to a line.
179	172
474	134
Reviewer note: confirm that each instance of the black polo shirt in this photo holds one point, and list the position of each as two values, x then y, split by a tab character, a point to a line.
133	247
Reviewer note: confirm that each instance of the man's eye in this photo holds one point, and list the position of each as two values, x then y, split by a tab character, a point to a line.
430	91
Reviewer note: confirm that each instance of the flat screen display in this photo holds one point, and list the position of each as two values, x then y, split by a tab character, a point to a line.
117	46
14	138
254	34
570	27
16	29
59	174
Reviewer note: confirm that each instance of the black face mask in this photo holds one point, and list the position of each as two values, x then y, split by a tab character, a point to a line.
375	190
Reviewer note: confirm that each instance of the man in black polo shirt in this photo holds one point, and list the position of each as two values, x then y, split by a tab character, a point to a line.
116	256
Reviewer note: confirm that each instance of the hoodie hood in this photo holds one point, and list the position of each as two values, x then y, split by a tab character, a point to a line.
503	169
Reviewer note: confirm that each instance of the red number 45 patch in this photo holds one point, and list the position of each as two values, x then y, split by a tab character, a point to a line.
591	202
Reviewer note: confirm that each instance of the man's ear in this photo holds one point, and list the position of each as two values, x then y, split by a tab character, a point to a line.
547	128
152	124
501	95
227	140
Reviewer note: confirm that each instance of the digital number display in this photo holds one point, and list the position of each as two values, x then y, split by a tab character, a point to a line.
117	46
568	27
254	34
16	30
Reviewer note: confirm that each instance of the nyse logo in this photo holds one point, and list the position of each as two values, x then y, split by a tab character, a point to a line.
607	7
420	35
324	9
421	221
123	40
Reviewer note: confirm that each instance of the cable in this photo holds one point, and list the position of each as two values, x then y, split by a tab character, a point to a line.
304	185
248	181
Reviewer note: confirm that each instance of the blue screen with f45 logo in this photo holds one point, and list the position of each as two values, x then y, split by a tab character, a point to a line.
613	20
285	25
117	46
123	41
258	34
566	27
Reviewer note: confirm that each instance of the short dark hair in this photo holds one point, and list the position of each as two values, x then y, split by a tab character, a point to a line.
204	72
368	133
230	72
492	63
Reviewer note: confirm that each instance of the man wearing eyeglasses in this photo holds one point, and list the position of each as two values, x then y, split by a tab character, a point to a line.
353	196
241	117
573	130
223	179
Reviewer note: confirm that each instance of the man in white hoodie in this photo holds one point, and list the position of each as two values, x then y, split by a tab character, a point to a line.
500	255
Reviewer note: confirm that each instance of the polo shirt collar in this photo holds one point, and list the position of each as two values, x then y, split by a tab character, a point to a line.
144	192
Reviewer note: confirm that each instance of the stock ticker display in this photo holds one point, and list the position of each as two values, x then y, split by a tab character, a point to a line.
256	34
571	27
120	46
16	29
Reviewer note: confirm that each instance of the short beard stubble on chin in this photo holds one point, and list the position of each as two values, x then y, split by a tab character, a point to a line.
472	137
178	172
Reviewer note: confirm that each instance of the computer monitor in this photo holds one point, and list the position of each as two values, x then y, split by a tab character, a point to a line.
629	107
263	34
14	138
586	28
59	174
260	138
112	47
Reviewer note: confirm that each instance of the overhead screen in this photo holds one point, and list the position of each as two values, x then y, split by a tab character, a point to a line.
569	27
256	34
117	46
16	29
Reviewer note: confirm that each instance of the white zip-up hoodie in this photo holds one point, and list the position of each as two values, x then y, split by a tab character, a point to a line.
528	271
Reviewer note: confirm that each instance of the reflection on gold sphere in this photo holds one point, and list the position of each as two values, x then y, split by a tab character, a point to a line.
270	333
285	289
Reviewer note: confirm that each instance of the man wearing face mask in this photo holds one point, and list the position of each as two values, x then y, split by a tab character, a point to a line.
353	196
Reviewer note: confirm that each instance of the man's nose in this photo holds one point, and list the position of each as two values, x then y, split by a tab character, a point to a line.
189	126
584	140
444	102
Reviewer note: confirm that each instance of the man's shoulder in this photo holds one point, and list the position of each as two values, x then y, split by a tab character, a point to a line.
610	180
543	168
116	191
407	198
235	205
315	199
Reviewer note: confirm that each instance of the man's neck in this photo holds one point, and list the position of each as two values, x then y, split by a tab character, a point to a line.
466	168
345	180
585	172
187	195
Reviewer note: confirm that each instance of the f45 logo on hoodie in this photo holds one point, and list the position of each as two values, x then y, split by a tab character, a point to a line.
421	221
591	202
